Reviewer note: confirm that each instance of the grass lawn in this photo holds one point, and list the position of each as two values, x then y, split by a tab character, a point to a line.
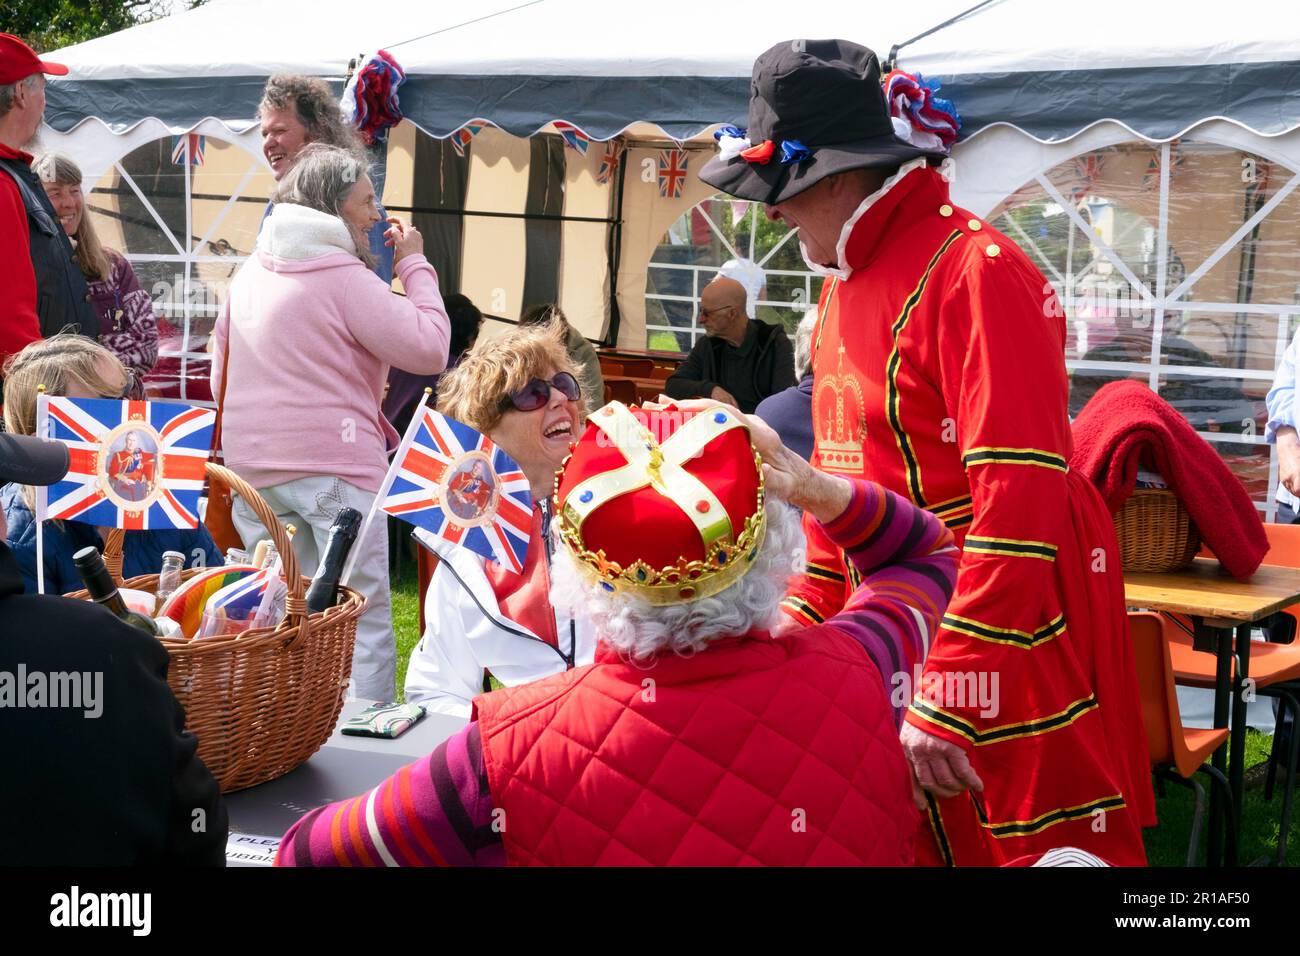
1166	844
406	619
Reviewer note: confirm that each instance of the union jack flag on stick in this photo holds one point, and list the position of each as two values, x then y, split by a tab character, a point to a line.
458	485
133	465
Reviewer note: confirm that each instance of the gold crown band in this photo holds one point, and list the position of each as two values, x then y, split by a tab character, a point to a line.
723	566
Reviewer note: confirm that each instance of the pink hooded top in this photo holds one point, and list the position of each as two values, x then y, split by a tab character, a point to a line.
312	333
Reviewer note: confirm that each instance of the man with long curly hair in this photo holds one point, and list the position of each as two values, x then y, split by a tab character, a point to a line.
297	110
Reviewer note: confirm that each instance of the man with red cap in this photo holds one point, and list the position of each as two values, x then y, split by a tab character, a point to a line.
696	737
44	291
939	371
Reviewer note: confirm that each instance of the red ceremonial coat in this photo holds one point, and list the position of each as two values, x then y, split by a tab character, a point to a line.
939	372
754	751
128	466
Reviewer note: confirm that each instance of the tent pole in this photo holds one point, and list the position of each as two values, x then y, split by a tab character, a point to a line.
616	250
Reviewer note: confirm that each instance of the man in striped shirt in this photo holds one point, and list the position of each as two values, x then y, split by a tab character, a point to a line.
696	738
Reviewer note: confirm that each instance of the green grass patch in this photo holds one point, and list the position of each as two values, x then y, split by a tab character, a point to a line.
406	619
1167	843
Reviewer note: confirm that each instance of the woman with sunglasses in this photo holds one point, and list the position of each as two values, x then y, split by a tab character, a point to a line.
77	367
486	626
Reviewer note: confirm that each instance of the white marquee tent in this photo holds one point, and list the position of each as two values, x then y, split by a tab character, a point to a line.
1145	154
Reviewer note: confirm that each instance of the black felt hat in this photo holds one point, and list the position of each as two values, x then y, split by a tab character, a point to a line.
824	95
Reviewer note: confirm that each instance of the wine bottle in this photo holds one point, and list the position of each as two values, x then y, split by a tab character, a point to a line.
323	592
90	563
170	578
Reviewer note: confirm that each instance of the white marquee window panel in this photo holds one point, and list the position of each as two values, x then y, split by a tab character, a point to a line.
690	254
1178	264
185	228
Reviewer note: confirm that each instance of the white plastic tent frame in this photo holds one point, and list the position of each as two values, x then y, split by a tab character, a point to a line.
112	150
999	162
702	272
1158	68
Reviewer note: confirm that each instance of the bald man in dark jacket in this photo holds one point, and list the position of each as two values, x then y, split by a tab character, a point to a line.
741	361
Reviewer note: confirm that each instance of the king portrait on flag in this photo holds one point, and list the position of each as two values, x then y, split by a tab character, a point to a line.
938	363
131	469
133	465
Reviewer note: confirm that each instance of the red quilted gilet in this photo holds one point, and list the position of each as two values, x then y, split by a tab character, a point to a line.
755	751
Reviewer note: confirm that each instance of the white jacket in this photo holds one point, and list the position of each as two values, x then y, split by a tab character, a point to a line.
466	633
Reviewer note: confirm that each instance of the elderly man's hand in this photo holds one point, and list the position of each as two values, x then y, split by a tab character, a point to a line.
1288	459
939	767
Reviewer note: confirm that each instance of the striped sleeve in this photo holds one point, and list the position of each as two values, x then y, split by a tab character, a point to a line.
437	811
907	561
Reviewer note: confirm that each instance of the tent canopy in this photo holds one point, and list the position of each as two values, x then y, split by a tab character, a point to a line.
1049	69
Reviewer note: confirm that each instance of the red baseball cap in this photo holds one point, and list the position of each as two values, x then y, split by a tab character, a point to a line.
19	61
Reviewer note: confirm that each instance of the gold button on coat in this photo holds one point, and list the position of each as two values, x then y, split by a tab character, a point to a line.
992	250
975	224
945	210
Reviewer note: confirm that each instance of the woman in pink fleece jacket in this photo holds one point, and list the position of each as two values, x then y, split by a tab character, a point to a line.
305	343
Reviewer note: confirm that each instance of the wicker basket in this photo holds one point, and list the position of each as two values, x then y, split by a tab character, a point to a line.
1155	532
263	701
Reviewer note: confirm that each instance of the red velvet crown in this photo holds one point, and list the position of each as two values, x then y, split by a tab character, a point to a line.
663	504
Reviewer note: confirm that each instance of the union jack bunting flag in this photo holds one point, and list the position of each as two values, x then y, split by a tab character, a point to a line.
574	138
133	465
672	173
1151	178
455	483
460	139
187	149
1087	173
609	162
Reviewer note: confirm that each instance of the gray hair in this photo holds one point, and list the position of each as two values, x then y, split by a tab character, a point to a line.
640	630
9	92
803	343
320	179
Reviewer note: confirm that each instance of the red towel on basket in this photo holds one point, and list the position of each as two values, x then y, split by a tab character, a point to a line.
1126	426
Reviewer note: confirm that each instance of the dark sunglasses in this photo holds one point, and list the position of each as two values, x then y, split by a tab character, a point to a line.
538	392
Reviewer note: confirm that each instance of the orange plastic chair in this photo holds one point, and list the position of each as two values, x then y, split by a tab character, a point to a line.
1177	753
1274	669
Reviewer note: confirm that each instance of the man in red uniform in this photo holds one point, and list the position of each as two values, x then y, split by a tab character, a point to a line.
939	372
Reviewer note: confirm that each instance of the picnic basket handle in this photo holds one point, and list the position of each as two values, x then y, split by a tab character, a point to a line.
295	604
113	554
